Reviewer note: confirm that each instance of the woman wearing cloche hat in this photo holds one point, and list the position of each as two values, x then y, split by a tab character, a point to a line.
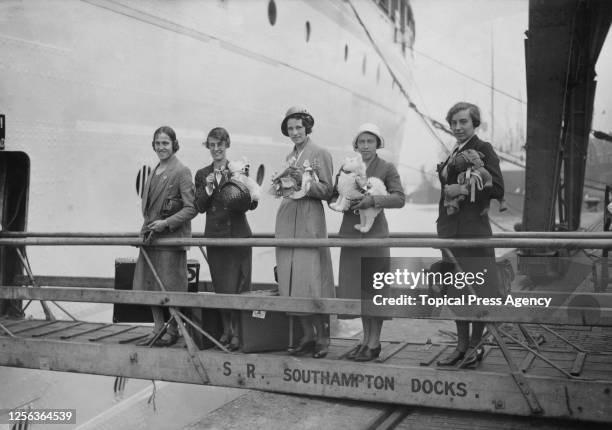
367	140
305	272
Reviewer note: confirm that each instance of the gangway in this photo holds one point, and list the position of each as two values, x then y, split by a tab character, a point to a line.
570	377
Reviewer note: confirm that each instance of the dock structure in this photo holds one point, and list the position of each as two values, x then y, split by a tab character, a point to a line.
553	361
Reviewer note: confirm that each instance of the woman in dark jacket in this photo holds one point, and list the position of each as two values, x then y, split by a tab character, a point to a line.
366	142
230	267
470	219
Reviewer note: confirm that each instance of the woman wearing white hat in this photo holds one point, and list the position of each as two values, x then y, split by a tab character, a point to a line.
367	140
306	272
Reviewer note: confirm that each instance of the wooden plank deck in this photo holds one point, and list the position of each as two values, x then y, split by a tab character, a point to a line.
406	372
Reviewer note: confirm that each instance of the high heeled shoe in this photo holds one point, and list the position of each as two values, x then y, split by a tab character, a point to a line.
147	341
354	352
473	359
167	339
368	354
320	351
303	348
234	344
225	339
455	357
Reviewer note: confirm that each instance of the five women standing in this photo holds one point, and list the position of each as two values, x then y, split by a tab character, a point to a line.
169	203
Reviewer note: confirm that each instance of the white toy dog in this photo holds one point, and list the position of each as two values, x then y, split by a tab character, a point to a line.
352	184
239	170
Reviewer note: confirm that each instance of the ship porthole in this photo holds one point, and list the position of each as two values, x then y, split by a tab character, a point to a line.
259	176
307	31
141	179
272	12
345	52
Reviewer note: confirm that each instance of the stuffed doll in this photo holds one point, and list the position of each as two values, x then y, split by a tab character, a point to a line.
239	170
353	184
351	180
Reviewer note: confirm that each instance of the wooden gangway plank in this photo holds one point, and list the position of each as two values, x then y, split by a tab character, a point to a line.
408	376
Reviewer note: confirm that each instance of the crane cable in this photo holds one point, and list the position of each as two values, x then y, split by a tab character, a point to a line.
427	120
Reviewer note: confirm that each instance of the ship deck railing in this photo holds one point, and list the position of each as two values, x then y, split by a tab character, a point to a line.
571	381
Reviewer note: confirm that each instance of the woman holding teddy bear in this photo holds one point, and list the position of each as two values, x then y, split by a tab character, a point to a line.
470	177
366	142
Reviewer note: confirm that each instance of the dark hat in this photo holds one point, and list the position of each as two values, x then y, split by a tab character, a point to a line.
235	196
297	112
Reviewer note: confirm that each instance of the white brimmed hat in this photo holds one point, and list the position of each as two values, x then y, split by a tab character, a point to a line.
372	129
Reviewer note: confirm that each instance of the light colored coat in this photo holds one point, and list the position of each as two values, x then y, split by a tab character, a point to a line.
306	272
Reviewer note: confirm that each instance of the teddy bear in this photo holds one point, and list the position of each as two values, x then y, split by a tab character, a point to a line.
472	174
353	184
351	180
294	182
373	187
239	171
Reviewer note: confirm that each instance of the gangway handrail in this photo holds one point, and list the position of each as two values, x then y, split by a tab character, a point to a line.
392	235
591	314
317	243
600	315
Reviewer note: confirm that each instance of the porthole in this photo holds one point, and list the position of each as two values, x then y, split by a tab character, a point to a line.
272	12
259	176
141	179
307	31
345	52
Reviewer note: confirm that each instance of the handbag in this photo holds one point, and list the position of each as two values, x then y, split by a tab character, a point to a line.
171	206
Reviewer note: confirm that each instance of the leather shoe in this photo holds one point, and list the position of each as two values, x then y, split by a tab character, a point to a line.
303	348
146	341
225	339
320	351
166	340
474	358
368	354
234	345
354	352
455	357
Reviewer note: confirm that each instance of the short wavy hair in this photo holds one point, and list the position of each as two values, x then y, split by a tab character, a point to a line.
471	108
168	131
219	133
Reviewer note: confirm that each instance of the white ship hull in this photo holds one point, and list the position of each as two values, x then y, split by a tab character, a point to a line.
83	84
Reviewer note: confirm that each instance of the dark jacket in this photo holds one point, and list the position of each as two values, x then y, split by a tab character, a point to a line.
472	219
220	221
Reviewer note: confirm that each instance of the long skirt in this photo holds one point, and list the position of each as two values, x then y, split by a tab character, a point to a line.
170	265
230	269
351	272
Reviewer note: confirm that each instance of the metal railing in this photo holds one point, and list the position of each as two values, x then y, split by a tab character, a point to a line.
579	308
